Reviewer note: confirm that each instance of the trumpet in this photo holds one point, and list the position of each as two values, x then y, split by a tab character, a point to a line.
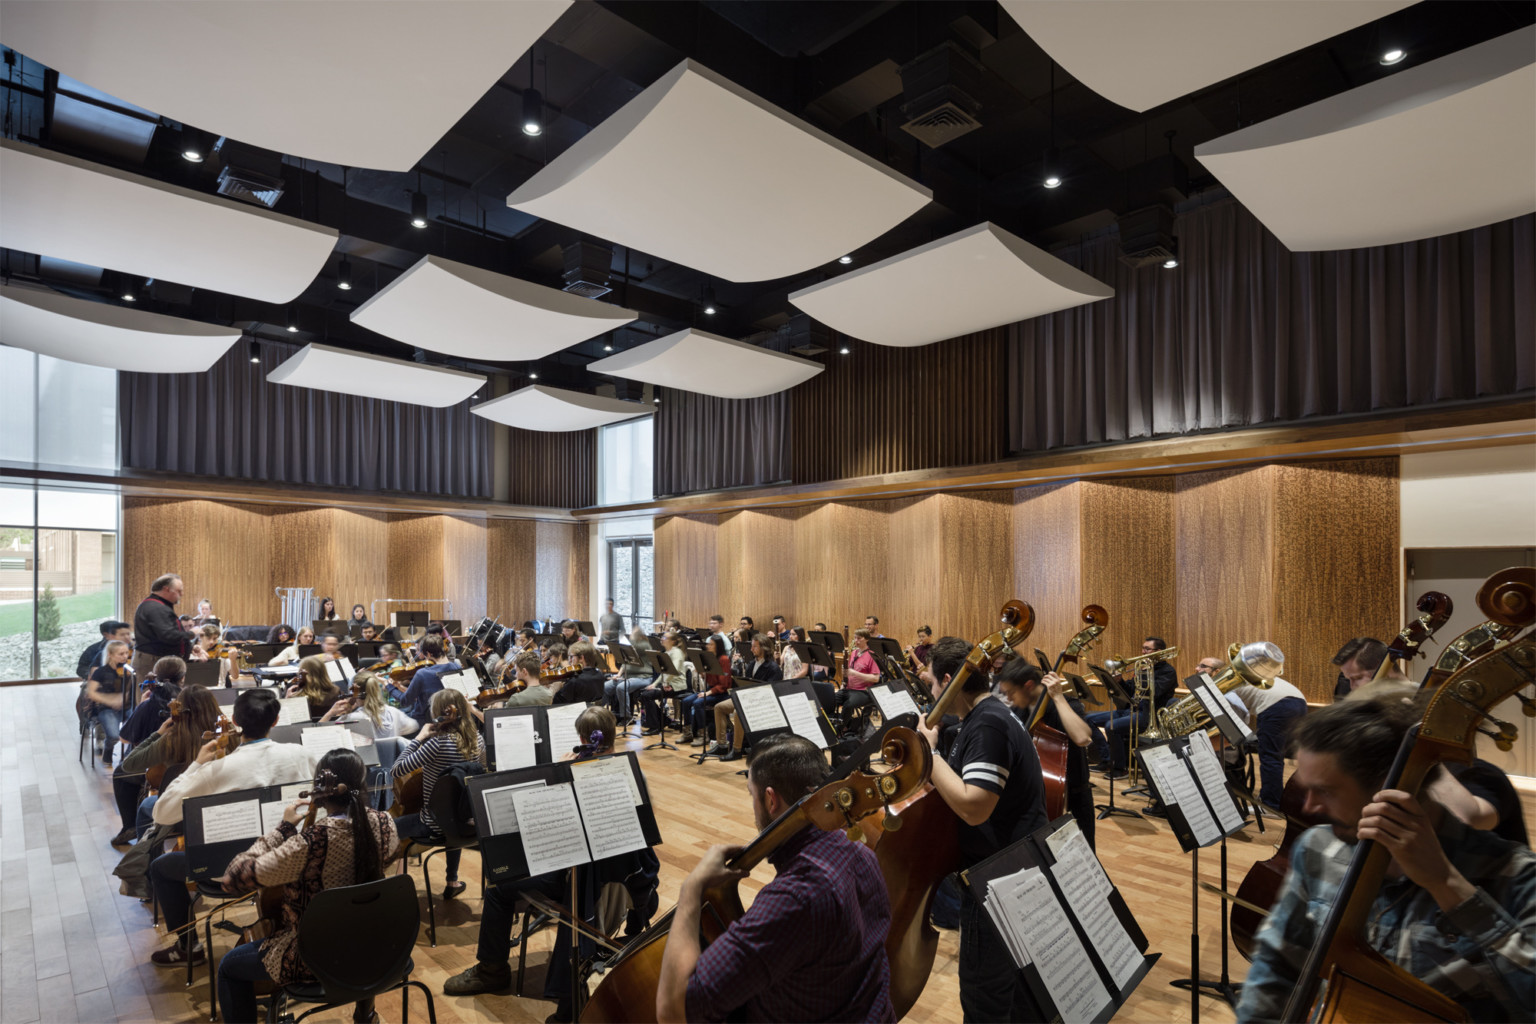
1257	664
1120	666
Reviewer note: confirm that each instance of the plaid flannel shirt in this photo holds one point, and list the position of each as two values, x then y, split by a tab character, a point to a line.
1481	953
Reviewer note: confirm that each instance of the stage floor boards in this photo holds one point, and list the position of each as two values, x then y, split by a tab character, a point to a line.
75	950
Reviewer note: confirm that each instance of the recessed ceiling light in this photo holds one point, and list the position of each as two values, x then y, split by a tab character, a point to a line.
255	351
533	113
293	319
533	376
709	302
1052	181
607	348
193	145
128	294
655	401
845	260
1393	56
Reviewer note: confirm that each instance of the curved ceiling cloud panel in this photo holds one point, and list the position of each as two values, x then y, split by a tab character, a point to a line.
698	171
70	209
324	368
407	70
985	276
709	364
1443	147
112	336
1143	53
476	314
537	407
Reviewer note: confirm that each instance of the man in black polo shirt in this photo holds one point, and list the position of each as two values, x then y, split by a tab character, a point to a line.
156	631
991	780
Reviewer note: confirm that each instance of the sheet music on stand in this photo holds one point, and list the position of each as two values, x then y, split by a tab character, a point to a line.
894	700
466	683
1185	773
561	719
221	826
1065	924
533	821
785	706
1233	729
517	737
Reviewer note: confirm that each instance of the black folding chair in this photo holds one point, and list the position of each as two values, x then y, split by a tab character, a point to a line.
347	969
456	835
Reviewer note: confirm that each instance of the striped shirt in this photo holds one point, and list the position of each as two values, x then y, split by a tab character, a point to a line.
434	757
994	752
1481	953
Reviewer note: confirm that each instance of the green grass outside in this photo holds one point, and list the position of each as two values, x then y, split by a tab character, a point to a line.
17	618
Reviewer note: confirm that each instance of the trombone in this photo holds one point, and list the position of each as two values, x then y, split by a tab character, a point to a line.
1142	665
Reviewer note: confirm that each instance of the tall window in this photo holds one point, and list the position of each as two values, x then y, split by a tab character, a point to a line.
631	580
624	458
58	547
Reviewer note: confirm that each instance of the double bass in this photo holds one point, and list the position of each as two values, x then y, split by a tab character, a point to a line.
1508	598
628	989
1345	978
1051	744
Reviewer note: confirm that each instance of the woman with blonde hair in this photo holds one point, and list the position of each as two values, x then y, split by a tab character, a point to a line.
367	702
314	685
435	750
290	654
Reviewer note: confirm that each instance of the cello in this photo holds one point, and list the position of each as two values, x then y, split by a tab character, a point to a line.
628	989
1051	744
1358	983
917	854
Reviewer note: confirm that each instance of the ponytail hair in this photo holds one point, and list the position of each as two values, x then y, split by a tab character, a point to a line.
346	768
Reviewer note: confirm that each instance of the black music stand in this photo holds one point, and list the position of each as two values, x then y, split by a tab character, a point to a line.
662	669
884	647
1121	701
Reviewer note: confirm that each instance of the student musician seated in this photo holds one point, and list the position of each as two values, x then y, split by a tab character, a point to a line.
280	634
428	681
637	871
213	649
315	686
435	750
1458	908
95	656
812	945
367	703
330	647
256	763
760	667
586	686
350	845
569	634
653	712
526	666
105	690
359	619
175	742
290	654
861	672
156	692
717	687
618	690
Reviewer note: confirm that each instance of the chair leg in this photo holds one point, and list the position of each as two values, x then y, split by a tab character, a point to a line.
522	952
213	988
426	881
431	1006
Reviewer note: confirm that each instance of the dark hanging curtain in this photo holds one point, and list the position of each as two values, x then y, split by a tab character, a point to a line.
558	470
705	443
1246	332
231	422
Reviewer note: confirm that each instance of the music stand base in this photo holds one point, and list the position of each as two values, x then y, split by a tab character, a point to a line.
1105	810
1227	990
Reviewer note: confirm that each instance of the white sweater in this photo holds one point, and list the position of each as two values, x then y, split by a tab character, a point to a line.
253	766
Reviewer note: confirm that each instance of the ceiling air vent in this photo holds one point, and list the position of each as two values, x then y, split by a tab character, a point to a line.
940	124
587	268
1146	236
940	89
250	186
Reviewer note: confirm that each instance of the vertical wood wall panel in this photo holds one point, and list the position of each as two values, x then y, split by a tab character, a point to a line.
1047	562
1336	563
914	593
1224	525
415	564
464	568
687	572
1128	565
221	551
841	552
304	554
755	555
976	567
561	570
511	556
361	548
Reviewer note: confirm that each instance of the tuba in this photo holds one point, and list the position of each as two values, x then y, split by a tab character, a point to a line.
1257	663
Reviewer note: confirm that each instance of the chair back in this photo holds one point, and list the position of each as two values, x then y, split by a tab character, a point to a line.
357	939
447	807
389	748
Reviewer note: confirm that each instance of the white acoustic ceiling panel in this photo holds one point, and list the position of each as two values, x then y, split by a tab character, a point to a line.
363	85
116	337
701	172
974	279
711	365
56	205
1446	146
356	373
1142	53
537	407
475	314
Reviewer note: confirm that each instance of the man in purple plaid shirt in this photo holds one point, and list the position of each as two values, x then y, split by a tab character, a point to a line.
812	945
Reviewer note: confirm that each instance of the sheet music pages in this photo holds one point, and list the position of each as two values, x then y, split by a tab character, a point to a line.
1217	707
293	710
562	728
614	766
514	742
893	703
1045	931
759	707
1178	789
608	811
333	672
348	670
1213	781
800	710
1078	872
468	685
322	739
223	823
550	827
272	810
500	811
1068	842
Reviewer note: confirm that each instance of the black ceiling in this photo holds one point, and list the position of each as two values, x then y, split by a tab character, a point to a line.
834	64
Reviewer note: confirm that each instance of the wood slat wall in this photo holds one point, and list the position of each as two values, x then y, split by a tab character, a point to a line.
221	550
561	560
511	590
1127	564
464	567
885	410
555	470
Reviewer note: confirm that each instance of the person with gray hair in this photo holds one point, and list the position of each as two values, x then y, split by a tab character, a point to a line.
157	631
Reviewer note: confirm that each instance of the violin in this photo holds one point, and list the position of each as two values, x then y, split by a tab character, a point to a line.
409	787
628	989
269	899
226	736
404	672
155	775
1359	984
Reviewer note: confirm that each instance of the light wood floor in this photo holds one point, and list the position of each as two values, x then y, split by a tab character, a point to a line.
75	950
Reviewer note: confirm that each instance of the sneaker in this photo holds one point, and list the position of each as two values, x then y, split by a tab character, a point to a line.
698	741
178	957
479	978
731	755
125	837
453	890
686	738
718	749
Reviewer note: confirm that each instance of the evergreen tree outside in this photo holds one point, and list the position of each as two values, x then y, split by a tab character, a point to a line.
48	625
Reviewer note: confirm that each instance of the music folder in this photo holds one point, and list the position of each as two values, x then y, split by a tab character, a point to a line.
883	647
814	654
517	737
1186	774
828	639
222	826
1233	729
788	705
583	811
1118	694
1064	923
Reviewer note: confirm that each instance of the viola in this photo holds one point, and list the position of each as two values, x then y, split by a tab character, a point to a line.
155	775
628	989
269	899
409	787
